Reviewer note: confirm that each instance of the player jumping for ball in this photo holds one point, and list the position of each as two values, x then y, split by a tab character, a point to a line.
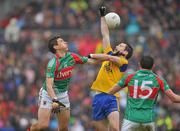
105	106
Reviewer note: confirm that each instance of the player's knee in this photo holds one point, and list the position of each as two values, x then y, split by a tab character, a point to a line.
43	126
114	127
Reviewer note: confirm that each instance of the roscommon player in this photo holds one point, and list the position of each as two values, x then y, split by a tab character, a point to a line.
105	107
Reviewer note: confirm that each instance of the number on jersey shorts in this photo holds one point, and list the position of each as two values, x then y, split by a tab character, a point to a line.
46	102
130	126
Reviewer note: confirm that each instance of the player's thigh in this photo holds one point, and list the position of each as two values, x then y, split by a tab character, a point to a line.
63	117
44	116
150	126
113	119
101	125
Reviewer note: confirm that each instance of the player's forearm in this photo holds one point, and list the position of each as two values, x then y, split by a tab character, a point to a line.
92	61
115	89
172	96
50	92
176	99
104	27
105	57
49	84
105	33
102	57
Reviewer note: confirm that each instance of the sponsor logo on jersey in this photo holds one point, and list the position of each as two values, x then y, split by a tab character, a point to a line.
65	73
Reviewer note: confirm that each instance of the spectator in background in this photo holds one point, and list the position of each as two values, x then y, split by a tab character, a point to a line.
12	31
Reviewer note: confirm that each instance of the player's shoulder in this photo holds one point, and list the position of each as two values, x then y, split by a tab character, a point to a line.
123	60
108	49
158	77
72	54
75	55
132	74
52	61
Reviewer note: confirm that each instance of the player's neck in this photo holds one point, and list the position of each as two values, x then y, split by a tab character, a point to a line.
60	54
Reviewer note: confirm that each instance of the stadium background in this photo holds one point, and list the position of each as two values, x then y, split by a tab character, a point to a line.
150	26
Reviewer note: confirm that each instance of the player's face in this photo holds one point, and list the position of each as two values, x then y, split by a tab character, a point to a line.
120	48
61	45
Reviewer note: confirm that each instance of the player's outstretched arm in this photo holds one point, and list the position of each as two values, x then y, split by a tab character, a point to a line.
104	28
105	57
172	96
97	58
114	89
92	61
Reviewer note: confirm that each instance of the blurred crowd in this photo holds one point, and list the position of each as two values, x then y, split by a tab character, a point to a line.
151	27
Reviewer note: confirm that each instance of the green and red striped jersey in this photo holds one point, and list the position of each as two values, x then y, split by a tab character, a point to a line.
143	88
61	70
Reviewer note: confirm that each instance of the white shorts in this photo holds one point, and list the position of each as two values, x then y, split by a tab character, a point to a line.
129	125
46	102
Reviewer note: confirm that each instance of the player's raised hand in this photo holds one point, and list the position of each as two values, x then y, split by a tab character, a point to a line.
102	10
56	106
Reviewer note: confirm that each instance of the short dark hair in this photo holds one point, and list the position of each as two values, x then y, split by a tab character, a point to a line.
129	49
52	42
146	62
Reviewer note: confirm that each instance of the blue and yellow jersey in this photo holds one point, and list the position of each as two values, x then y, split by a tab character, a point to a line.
109	73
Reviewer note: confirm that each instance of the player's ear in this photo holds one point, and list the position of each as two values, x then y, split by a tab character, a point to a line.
139	65
153	67
125	53
55	46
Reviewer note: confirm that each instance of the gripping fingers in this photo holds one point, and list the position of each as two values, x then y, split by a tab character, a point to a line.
57	106
102	10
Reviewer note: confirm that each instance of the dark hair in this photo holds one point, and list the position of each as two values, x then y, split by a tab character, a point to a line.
147	62
129	49
52	42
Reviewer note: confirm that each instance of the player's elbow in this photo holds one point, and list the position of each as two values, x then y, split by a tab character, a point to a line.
111	91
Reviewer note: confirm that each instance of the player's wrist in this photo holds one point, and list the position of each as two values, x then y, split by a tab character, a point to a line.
90	56
55	99
102	11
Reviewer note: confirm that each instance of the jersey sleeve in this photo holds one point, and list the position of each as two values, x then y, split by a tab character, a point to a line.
108	50
50	69
122	82
79	59
163	85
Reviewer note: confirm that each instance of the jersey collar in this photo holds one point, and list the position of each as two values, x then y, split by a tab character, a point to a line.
145	70
58	56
